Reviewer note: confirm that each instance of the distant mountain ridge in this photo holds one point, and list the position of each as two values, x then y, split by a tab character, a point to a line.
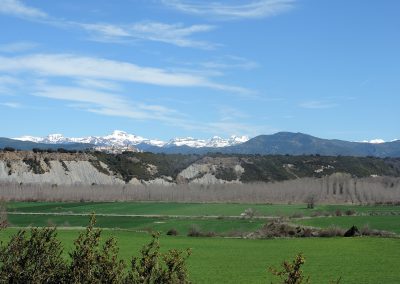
280	143
298	144
28	145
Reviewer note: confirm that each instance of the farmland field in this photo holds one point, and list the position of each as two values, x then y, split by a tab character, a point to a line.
233	260
191	209
219	260
141	223
218	218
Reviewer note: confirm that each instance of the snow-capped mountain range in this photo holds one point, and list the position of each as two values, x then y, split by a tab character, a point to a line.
121	139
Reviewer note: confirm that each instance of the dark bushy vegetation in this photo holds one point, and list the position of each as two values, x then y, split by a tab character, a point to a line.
36	257
195	231
279	168
172	232
257	168
34	165
228	174
97	165
279	229
136	165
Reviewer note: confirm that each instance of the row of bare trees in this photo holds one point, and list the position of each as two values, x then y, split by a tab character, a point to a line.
333	189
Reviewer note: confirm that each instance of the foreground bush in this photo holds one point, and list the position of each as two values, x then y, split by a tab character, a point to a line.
290	272
33	258
36	257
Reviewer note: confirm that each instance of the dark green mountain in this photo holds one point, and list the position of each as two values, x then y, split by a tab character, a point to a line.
26	145
298	144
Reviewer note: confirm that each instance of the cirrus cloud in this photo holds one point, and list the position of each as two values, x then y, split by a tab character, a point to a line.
73	66
19	9
232	11
175	34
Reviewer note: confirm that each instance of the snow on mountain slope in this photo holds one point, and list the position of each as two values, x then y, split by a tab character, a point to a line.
122	138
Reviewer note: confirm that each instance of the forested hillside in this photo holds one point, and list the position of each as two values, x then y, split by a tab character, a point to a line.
246	168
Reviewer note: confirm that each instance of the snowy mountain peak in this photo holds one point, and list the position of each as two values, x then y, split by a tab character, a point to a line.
238	139
122	138
187	141
119	138
55	138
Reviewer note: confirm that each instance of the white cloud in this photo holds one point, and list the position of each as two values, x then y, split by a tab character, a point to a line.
8	80
11	105
230	62
318	104
17	46
7	84
17	8
99	84
175	34
104	103
244	10
67	65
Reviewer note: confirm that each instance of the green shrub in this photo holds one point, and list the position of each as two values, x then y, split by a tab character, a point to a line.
153	267
36	257
92	264
33	257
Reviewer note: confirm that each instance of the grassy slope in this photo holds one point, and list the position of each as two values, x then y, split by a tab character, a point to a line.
216	260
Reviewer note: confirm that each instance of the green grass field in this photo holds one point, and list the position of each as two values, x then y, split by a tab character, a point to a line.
219	260
162	225
191	209
228	260
219	218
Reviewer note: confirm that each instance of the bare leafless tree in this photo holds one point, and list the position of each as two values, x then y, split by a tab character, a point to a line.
3	214
362	190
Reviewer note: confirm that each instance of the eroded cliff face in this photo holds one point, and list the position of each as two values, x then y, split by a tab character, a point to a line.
54	168
211	171
84	168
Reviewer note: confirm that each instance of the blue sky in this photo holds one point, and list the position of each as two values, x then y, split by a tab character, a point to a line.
175	68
